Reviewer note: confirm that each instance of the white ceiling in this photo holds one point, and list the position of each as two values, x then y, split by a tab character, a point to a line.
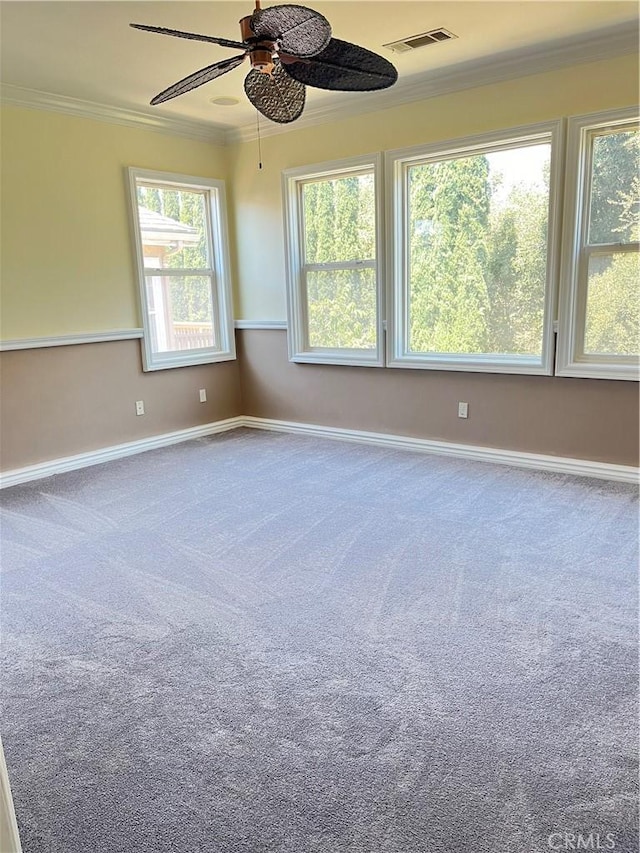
86	50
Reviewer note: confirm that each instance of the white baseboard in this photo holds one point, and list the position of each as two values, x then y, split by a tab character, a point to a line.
535	461
9	835
515	458
118	451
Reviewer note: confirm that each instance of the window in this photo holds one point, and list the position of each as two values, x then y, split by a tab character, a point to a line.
180	235
599	331
474	238
333	266
475	260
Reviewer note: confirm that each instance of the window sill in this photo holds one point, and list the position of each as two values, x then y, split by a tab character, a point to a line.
586	370
353	358
190	360
533	366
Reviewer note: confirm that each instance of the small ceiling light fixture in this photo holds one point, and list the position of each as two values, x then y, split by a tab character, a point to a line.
289	47
225	102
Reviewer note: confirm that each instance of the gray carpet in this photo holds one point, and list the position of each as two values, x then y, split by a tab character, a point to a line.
259	642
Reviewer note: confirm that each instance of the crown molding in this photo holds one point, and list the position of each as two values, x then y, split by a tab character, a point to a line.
602	44
34	99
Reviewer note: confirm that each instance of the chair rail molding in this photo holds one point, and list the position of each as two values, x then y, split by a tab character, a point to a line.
70	340
261	324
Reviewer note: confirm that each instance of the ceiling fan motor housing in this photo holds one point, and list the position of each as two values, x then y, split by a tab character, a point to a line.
260	52
261	59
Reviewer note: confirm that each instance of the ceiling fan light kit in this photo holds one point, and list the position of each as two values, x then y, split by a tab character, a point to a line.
289	47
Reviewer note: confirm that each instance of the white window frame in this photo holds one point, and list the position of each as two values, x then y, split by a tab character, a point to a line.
397	163
218	272
572	360
293	181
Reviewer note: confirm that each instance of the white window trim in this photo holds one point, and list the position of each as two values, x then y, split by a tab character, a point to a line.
292	181
571	361
396	162
219	271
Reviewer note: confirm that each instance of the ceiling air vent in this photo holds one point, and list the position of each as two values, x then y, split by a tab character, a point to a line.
413	42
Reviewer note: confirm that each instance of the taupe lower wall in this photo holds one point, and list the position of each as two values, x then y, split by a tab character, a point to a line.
578	418
65	400
60	401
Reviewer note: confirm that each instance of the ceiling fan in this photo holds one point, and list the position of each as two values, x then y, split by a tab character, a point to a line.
289	47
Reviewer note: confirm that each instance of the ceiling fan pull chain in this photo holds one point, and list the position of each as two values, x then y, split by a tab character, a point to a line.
259	140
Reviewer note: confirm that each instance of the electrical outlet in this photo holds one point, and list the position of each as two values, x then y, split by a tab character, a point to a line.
139	407
203	395
463	410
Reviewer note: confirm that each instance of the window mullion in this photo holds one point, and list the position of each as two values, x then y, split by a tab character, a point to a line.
175	271
609	248
340	265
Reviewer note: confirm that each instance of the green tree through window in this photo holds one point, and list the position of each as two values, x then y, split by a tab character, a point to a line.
190	297
339	226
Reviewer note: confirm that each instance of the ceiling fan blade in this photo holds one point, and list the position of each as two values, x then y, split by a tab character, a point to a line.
204	75
345	67
296	29
194	36
277	96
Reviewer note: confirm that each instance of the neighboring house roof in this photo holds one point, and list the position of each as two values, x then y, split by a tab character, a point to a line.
159	230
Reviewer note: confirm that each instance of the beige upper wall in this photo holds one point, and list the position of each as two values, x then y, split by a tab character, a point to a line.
257	194
67	258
